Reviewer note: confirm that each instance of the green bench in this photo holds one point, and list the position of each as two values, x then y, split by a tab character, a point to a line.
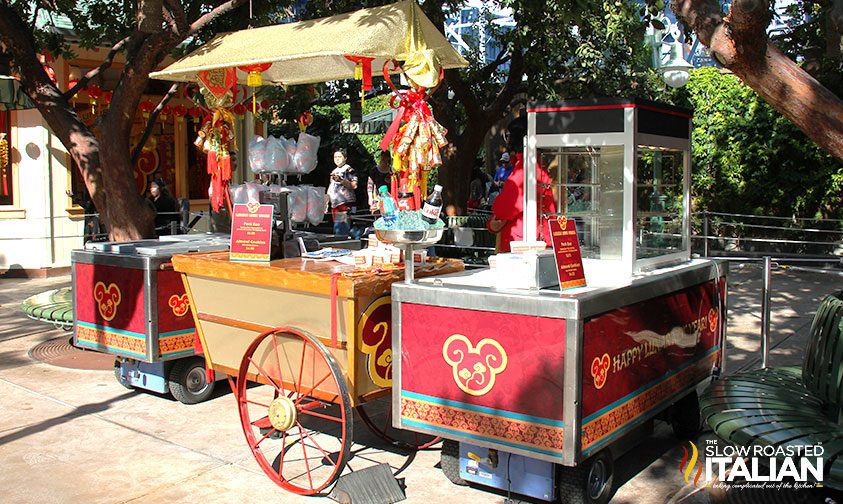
789	406
54	306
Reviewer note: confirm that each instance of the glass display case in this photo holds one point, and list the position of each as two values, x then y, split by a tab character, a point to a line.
620	169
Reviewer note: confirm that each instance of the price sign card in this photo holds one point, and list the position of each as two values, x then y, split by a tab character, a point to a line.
566	249
251	232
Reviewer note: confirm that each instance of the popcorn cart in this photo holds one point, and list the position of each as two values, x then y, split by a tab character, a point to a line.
307	341
128	302
537	390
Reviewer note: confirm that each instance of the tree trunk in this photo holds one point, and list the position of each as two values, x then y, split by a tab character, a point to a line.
456	170
126	214
739	45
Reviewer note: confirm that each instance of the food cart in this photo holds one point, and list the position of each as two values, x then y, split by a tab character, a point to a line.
128	302
307	341
537	390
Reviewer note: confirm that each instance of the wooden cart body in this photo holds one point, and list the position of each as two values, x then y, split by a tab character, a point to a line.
232	302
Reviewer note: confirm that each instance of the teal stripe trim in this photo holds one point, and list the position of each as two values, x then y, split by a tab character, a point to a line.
647	387
483	409
175	333
110	349
180	352
481	438
113	330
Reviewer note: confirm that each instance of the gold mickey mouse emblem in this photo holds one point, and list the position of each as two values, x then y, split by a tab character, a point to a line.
253	206
107	299
474	367
179	304
600	370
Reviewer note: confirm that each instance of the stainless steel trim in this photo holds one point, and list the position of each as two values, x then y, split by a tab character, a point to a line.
396	361
572	409
150	303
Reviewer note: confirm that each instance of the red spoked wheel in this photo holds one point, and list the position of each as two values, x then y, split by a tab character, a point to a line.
297	421
377	415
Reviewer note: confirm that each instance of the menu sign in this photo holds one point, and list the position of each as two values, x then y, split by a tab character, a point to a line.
566	249
251	232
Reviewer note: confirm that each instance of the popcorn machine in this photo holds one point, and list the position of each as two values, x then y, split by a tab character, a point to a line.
537	390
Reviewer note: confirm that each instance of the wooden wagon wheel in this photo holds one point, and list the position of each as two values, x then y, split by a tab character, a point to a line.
298	420
378	419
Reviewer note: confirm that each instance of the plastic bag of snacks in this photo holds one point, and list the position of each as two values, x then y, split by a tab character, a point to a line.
304	161
246	193
298	204
315	204
257	154
290	147
277	158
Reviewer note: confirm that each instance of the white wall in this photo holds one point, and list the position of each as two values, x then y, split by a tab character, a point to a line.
29	241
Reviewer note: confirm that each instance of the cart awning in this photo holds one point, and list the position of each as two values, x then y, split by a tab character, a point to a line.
315	51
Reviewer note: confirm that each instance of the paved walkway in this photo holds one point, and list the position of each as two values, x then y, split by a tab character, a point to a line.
76	436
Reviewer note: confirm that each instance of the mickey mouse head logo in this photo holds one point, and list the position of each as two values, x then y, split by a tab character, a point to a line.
712	319
562	220
107	299
474	368
179	304
600	370
253	206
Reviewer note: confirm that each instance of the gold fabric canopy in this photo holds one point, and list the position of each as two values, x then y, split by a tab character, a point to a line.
314	51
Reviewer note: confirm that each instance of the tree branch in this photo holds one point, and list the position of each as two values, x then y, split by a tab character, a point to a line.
747	23
178	15
217	12
507	92
151	123
109	59
704	17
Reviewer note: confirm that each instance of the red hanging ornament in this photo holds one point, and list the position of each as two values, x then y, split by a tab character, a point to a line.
179	111
165	112
255	79
265	104
94	93
146	107
107	97
239	109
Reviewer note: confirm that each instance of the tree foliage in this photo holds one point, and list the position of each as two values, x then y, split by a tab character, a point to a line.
749	159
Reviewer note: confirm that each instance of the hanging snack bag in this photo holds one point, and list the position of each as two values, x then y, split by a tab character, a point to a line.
277	158
315	204
298	204
257	154
304	160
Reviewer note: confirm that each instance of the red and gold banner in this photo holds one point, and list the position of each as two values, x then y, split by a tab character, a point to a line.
637	358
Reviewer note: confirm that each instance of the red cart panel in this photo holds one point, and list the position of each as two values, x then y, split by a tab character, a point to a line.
484	375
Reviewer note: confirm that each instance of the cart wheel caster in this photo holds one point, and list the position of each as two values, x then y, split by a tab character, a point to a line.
119	376
450	462
685	417
589	483
188	381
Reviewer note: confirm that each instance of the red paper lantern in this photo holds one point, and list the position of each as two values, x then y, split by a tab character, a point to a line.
165	112
95	92
265	104
239	109
195	112
180	111
146	107
107	97
254	79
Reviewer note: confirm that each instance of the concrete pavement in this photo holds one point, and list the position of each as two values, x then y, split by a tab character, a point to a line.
77	436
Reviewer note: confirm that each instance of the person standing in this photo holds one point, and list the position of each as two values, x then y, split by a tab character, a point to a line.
166	207
380	176
341	189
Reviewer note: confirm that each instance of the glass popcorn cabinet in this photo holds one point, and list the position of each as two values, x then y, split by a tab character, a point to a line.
621	169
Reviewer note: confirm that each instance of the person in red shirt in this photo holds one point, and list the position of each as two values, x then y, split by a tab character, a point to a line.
508	212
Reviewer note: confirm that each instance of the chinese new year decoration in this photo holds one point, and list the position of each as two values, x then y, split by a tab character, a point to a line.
216	137
362	71
94	93
255	80
416	137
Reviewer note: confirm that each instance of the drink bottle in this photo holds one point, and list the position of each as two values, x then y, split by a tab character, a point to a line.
406	199
432	205
389	210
